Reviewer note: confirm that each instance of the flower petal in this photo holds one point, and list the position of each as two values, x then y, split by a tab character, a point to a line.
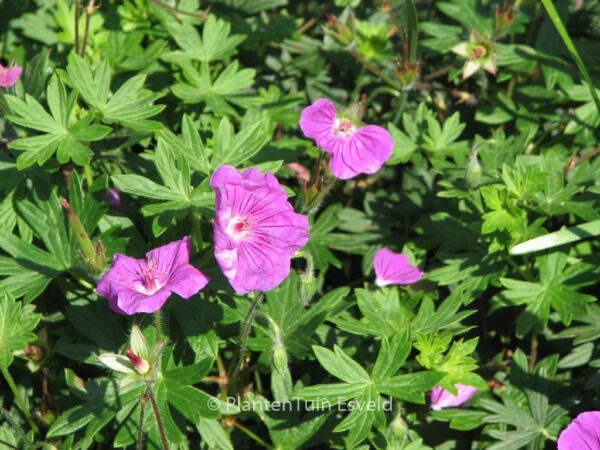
170	256
441	398
186	281
582	433
394	268
9	76
363	152
131	301
317	120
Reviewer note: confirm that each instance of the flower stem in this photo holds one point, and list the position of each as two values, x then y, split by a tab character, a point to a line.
197	230
534	348
89	10
159	422
157	324
253	436
20	402
140	437
77	14
244	334
399	107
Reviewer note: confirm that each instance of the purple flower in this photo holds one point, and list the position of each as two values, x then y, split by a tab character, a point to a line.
354	148
441	398
113	197
256	229
582	433
394	268
144	285
9	75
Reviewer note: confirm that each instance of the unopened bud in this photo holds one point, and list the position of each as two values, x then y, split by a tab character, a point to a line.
307	288
307	283
399	427
113	197
341	31
88	250
140	364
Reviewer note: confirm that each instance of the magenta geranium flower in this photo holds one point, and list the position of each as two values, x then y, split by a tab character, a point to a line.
256	229
144	285
441	398
394	268
582	433
354	148
9	75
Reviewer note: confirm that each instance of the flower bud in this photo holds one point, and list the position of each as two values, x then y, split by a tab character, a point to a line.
341	32
87	249
113	197
505	16
399	427
307	283
307	287
140	364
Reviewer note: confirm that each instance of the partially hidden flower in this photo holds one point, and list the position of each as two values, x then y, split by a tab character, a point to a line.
256	229
355	148
9	75
479	51
113	197
582	433
394	268
144	285
442	398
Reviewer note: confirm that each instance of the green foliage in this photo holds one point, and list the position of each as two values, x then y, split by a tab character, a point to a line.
17	323
492	189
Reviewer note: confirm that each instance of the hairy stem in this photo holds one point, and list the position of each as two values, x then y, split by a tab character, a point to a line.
89	10
77	14
159	422
158	324
140	436
13	387
244	335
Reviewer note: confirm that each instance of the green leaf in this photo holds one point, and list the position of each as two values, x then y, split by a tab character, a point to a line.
215	44
17	323
410	387
191	402
392	355
131	105
232	86
61	135
341	365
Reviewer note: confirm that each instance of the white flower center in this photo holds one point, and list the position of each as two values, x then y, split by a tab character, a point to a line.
238	228
343	127
149	281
